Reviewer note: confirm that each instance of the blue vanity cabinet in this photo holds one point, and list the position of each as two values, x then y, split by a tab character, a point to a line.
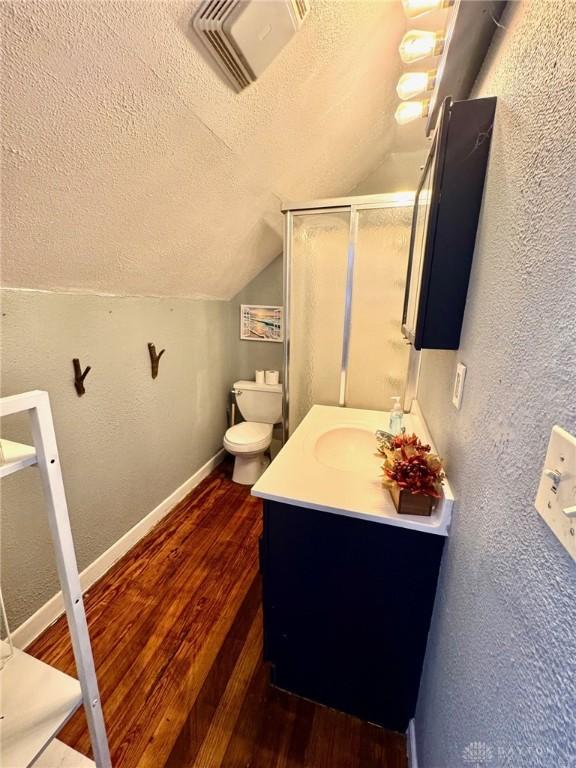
347	608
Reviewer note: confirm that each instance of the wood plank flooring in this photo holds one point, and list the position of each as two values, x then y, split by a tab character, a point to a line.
176	629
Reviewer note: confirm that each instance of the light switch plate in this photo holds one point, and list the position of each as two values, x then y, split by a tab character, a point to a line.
556	497
458	390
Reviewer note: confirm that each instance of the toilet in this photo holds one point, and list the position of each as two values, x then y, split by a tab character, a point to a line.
261	407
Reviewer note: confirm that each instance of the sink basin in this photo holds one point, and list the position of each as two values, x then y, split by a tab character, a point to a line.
349	449
331	464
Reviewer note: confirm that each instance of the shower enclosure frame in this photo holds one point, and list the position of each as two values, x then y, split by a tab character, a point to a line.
352	205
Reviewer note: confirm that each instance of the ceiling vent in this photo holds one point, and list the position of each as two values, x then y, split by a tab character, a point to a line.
244	36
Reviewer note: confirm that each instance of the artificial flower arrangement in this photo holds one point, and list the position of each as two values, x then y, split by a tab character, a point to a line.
412	473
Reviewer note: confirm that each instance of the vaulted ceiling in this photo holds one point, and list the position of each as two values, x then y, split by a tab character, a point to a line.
131	167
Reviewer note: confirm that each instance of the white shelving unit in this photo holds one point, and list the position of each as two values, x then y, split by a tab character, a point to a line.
37	700
16	456
59	755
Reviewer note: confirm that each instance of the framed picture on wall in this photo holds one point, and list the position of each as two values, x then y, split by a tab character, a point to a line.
261	323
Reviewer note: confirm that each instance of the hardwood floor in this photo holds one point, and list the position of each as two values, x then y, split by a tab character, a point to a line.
176	629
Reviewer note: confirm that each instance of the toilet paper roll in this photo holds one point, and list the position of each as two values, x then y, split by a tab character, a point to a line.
260	377
272	377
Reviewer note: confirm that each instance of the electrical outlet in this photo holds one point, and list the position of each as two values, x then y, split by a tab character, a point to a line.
458	390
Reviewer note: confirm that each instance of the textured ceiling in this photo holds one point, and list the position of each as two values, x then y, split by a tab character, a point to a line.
130	166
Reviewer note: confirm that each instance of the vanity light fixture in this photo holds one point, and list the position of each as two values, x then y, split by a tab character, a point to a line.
418	44
414	8
413	83
408	111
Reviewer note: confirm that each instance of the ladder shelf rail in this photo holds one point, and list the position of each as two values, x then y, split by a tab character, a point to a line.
37	404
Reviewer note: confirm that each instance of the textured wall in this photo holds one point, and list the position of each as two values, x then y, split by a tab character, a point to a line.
399	172
500	669
130	441
117	128
266	288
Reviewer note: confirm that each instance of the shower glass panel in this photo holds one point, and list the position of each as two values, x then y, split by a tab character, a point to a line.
345	264
317	277
378	357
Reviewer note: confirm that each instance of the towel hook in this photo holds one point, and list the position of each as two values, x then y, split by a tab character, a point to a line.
79	376
154	358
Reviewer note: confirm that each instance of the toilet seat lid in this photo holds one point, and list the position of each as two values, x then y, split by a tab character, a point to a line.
248	432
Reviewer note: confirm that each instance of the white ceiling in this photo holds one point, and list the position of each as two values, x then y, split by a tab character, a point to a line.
130	166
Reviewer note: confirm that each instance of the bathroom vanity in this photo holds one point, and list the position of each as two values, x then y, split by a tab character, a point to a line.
348	584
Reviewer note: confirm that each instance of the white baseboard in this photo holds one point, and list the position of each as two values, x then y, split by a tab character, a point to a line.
411	744
54	608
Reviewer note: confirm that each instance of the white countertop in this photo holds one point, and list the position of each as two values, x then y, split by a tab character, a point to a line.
331	463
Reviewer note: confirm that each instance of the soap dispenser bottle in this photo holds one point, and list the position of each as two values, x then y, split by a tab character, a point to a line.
396	417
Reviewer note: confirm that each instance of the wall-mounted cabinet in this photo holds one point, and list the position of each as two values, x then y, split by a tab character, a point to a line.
444	224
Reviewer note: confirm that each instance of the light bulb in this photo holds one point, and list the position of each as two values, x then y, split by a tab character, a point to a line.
411	110
418	44
414	8
413	83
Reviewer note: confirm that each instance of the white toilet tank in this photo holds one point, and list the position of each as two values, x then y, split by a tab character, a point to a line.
259	402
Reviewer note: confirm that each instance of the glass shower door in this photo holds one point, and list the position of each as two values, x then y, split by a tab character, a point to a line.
318	269
378	356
